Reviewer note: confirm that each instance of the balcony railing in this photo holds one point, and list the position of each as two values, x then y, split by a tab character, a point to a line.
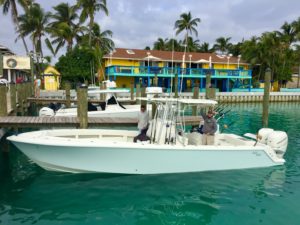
151	71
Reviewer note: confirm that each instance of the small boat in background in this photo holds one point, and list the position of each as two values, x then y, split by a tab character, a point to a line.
111	108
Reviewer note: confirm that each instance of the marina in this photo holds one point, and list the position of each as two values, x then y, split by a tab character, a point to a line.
33	194
117	112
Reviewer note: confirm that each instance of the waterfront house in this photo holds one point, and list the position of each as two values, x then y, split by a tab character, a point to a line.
126	66
51	79
13	68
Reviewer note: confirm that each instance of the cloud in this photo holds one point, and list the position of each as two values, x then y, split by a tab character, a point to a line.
137	24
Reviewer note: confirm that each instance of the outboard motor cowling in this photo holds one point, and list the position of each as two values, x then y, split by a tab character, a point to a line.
46	112
278	141
263	134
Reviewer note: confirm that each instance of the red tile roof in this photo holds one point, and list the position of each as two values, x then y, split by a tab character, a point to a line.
156	55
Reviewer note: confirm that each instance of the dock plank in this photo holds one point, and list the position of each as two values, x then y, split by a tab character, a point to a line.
40	122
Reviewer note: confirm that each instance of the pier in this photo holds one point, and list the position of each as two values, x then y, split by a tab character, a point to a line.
16	98
49	122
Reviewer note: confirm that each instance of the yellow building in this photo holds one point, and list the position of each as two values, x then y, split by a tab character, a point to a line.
51	79
126	66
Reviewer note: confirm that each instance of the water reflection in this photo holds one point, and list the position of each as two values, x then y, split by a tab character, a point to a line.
155	199
30	195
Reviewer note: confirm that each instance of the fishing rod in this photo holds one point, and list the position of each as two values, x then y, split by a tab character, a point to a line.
225	126
219	106
224	113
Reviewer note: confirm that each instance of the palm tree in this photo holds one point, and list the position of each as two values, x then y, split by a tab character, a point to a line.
296	26
12	5
192	45
205	48
63	27
222	45
101	44
161	44
253	54
89	8
174	45
187	23
288	34
101	40
34	23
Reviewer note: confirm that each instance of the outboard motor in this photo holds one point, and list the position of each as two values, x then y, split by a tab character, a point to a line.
278	140
46	112
263	134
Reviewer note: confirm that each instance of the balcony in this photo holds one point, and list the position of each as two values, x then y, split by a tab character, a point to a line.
151	71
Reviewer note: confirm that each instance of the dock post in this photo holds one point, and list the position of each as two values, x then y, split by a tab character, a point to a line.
195	96
13	102
138	93
207	86
265	116
82	106
103	87
131	91
176	85
1	64
68	94
20	99
298	80
143	95
155	83
3	100
32	75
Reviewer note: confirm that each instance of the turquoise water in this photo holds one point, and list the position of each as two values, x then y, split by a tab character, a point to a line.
30	195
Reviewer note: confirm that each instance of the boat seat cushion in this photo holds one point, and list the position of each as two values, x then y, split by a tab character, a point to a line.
194	138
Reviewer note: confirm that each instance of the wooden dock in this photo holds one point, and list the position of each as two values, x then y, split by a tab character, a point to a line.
46	101
49	122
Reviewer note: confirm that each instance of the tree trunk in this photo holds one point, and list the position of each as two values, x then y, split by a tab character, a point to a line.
90	29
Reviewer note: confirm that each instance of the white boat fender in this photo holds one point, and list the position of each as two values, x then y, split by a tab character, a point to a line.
278	141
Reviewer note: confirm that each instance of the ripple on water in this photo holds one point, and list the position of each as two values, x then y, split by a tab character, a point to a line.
31	195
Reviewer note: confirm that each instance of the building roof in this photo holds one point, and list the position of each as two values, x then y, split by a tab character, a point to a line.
50	70
5	51
156	55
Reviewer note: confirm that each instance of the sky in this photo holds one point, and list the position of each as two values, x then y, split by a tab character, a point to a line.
139	23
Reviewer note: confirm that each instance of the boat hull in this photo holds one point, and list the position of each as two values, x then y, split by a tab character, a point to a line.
141	158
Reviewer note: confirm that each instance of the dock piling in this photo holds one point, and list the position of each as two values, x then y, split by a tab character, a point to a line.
195	96
138	93
176	85
3	100
82	106
265	116
131	91
68	94
13	102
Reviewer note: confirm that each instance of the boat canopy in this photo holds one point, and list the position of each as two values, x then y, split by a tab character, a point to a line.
203	102
108	91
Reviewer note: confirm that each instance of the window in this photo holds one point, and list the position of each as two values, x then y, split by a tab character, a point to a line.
130	52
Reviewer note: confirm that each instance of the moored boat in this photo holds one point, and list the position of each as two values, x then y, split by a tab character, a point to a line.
110	108
168	150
